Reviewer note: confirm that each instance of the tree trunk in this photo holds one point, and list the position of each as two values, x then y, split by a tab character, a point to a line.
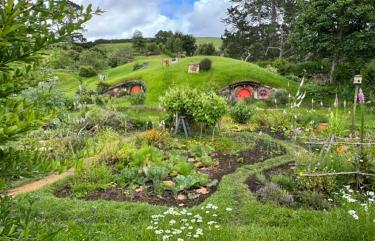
333	70
273	11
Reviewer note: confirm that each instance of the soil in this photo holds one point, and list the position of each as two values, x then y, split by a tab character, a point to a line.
39	184
227	164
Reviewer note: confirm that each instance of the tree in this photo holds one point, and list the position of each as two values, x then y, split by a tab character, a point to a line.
207	49
26	28
162	36
172	43
258	29
188	43
335	29
138	41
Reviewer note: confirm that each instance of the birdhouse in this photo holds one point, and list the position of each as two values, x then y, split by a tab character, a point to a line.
358	79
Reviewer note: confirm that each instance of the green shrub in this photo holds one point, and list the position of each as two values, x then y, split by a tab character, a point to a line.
93	57
241	113
18	221
87	71
205	65
282	97
137	66
274	194
314	200
283	181
326	184
206	49
94	174
201	107
102	87
137	99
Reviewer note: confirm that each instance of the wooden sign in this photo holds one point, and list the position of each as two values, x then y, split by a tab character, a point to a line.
166	62
193	68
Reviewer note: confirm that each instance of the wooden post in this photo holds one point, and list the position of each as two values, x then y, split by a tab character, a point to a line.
354	107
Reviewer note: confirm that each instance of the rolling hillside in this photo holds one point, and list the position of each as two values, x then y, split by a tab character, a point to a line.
158	78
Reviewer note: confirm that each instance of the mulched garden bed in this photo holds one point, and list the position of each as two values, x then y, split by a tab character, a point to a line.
226	164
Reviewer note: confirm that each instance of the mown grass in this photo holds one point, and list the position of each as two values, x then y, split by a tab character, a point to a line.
217	42
249	220
158	78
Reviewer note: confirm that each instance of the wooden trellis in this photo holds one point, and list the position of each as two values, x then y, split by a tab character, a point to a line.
326	148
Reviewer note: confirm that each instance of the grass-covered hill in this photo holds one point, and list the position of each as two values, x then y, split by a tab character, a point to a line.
158	78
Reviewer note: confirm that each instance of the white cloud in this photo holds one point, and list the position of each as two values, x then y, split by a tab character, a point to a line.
122	18
206	17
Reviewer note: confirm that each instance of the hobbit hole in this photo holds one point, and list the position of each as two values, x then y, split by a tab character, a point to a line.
243	90
127	88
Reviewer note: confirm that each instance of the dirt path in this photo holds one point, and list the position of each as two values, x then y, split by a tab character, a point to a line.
30	187
33	186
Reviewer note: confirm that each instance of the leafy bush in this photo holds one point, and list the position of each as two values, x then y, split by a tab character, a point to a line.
94	58
94	174
17	221
274	194
205	64
241	113
137	99
202	107
207	49
325	184
137	66
283	181
281	96
103	87
87	71
314	200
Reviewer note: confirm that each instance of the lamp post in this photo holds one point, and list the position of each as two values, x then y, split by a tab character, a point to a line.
357	83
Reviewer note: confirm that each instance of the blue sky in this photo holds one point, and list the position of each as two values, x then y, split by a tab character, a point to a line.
202	18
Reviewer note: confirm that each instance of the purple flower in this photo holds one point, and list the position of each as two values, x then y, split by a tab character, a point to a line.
361	97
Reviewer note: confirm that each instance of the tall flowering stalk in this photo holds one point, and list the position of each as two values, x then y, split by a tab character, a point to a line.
336	103
361	99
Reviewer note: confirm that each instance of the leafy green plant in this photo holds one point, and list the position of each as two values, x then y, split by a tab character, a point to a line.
241	113
17	221
137	99
184	168
314	200
87	71
205	64
201	107
286	182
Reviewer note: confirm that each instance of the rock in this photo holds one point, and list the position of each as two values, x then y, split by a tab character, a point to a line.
181	197
202	191
140	189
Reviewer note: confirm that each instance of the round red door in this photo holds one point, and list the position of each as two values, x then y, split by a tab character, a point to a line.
243	94
136	90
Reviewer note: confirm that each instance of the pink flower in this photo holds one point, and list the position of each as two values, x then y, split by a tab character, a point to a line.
361	97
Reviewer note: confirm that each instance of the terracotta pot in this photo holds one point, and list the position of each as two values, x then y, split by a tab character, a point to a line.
323	126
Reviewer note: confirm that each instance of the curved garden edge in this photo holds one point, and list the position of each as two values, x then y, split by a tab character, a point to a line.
231	184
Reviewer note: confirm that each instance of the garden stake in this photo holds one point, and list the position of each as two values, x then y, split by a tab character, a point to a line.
357	83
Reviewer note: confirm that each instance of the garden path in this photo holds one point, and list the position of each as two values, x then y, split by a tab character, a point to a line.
34	186
30	187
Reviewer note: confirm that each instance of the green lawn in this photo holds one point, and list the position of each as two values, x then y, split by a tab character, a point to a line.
217	42
248	221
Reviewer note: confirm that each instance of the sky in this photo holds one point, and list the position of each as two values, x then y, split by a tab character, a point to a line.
201	18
